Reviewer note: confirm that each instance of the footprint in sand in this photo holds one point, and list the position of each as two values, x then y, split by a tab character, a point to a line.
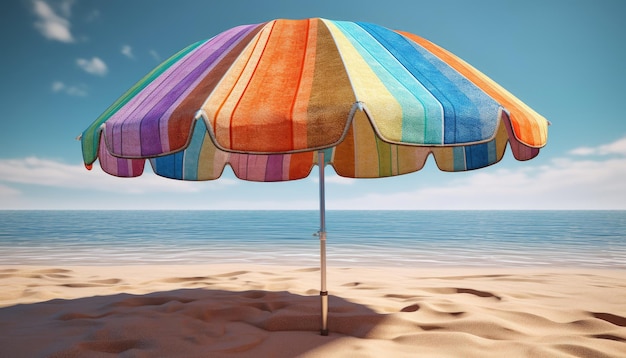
609	337
451	290
58	275
403	297
53	271
93	283
232	274
611	318
477	293
108	281
186	279
80	285
411	308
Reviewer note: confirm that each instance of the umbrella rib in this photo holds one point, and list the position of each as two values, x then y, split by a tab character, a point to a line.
295	96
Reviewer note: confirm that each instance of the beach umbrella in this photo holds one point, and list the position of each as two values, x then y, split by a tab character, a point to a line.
276	98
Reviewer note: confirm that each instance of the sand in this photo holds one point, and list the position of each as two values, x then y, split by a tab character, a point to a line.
273	311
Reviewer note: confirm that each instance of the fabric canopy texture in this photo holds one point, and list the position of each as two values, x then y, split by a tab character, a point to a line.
265	98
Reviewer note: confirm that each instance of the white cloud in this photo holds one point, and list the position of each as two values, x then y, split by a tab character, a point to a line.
155	55
92	16
66	7
127	51
52	173
95	66
563	184
617	147
52	25
60	87
582	151
6	191
547	188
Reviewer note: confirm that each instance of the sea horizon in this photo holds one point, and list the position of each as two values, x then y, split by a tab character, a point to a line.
411	238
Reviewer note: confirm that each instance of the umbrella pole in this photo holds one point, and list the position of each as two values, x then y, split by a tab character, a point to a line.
322	235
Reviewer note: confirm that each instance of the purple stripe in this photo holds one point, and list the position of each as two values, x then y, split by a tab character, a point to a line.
157	117
255	166
221	52
129	117
171	87
122	167
238	164
105	159
274	168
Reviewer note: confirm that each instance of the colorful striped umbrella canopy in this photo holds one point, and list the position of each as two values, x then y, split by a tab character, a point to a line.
274	99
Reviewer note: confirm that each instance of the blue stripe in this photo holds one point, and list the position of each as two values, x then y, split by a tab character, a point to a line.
460	99
492	151
481	155
192	153
459	158
476	156
419	107
169	166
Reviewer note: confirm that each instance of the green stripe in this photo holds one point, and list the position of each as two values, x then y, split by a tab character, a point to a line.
384	158
459	158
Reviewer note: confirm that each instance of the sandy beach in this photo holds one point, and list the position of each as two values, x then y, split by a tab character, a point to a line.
273	311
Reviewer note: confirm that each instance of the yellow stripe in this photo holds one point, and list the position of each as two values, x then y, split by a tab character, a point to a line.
211	161
368	88
365	151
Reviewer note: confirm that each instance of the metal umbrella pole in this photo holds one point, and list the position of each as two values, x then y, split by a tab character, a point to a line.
322	234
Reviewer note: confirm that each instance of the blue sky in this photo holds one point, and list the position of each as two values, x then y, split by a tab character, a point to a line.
65	61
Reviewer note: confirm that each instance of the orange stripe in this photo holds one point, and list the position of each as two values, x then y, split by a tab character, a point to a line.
300	165
344	160
232	116
305	85
262	119
525	122
223	94
194	100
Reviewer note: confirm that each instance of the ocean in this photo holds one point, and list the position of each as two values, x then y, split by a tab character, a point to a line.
595	239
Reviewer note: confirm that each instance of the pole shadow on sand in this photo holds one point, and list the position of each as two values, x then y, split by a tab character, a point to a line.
185	322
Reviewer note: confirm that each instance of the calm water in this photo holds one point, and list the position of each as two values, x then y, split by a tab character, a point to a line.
391	238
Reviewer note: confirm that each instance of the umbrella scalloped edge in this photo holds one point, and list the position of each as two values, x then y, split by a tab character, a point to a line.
202	160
